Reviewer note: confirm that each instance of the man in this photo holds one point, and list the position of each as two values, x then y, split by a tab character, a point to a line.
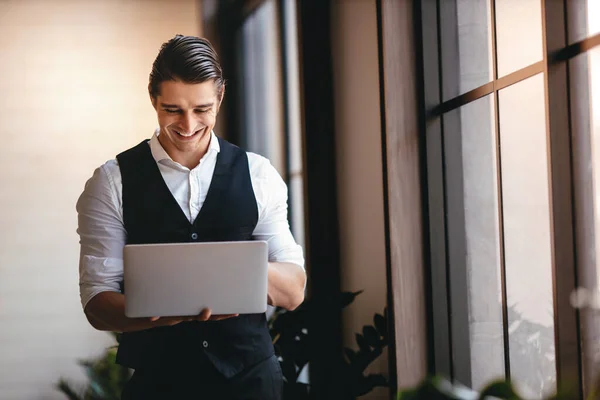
158	192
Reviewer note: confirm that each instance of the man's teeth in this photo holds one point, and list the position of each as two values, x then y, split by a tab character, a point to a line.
186	134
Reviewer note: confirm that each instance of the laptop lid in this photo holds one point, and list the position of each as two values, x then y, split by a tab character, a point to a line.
181	279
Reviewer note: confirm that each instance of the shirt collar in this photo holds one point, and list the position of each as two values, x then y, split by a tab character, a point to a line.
159	153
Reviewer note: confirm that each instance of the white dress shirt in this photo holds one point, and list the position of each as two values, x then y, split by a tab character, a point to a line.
100	213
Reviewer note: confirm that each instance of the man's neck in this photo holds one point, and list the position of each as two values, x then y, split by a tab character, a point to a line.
189	160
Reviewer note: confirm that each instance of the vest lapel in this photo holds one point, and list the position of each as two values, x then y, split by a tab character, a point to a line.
155	179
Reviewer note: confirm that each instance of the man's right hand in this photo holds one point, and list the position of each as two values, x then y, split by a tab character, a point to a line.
106	312
205	315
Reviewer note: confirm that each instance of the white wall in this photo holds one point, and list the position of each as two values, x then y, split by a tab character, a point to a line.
73	78
359	166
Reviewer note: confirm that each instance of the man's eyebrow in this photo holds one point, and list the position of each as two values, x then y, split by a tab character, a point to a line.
165	105
207	105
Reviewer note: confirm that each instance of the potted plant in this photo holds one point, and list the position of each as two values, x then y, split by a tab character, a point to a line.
290	330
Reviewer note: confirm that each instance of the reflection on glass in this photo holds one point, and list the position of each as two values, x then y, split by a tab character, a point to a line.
480	185
526	211
518	34
474	45
591	344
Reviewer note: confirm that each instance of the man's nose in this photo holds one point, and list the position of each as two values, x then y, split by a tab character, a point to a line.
188	124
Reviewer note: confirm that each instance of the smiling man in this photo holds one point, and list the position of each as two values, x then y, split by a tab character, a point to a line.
207	356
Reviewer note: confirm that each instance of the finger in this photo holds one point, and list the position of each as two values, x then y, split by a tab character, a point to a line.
205	315
154	319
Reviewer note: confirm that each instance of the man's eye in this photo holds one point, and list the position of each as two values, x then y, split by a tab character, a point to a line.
172	111
203	111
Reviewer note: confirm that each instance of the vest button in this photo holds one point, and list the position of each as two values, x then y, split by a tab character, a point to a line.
205	344
194	236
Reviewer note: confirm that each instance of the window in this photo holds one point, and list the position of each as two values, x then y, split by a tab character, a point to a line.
501	140
269	87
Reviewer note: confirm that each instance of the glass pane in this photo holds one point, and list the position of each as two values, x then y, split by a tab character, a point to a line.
593	17
294	139
583	18
592	344
585	112
526	211
519	34
480	186
291	55
594	68
474	41
262	125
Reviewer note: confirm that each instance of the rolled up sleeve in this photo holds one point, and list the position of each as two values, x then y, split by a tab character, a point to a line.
102	236
273	226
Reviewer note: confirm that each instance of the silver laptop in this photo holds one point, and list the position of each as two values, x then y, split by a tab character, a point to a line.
180	279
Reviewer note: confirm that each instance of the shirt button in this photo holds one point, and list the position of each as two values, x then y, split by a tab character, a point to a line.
205	344
194	236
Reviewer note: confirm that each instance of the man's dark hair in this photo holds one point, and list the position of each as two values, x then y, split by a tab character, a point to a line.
187	59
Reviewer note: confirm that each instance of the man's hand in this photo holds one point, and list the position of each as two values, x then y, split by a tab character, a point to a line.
106	312
205	315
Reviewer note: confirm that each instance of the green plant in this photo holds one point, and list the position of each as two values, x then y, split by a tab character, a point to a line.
106	378
289	330
438	388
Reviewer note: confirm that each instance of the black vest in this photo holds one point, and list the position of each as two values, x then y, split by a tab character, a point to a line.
152	215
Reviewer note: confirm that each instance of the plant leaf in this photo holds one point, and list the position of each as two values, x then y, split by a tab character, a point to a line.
72	394
376	380
350	354
441	388
362	343
380	324
348	297
411	394
371	335
500	390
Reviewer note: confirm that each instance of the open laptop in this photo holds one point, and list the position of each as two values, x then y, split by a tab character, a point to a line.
180	279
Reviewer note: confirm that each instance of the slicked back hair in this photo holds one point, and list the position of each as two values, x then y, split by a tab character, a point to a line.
188	59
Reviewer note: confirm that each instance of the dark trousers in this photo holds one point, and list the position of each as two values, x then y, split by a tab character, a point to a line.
201	381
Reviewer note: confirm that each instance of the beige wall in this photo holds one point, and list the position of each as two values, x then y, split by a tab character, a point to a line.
359	166
73	78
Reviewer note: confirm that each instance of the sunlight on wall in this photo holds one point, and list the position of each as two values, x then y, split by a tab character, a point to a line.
73	79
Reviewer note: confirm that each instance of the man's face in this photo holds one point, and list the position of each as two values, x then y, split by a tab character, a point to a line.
186	113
